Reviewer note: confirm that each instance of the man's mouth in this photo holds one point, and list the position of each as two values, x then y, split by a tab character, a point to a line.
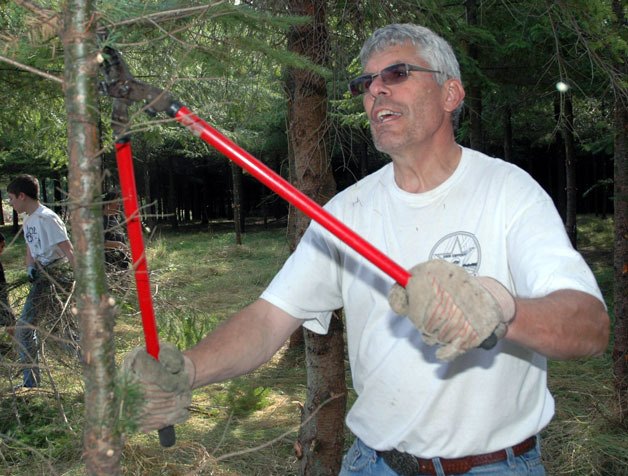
384	115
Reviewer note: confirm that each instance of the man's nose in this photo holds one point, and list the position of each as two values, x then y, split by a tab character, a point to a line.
378	87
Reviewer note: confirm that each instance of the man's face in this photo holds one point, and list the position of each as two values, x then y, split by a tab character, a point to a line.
17	202
3	244
406	115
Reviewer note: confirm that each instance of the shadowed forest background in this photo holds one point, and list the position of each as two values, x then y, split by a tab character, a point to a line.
272	76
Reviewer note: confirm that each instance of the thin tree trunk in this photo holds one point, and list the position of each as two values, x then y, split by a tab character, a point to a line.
620	348
101	442
16	223
1	210
43	190
321	437
557	168
172	196
570	167
58	208
236	175
507	124
149	209
474	98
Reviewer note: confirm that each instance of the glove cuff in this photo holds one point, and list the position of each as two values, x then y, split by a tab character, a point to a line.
190	370
503	297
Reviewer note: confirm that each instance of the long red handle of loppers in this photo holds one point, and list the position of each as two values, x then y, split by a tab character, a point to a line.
124	159
284	189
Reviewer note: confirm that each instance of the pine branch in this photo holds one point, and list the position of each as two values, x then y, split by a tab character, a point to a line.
48	23
30	69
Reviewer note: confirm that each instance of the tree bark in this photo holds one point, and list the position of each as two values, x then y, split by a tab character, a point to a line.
557	170
58	196
321	437
102	444
16	223
566	127
474	98
150	215
507	122
321	440
620	259
236	194
172	196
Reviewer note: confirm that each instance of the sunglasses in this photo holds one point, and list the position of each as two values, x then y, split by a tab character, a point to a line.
393	74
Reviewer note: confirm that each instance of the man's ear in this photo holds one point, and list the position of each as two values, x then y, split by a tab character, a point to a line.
454	94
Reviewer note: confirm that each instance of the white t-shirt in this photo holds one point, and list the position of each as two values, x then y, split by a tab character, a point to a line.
489	217
43	231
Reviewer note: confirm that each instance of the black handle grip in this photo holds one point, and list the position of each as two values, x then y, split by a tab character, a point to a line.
489	342
167	436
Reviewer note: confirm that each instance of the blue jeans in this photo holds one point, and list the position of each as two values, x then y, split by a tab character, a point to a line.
361	460
25	331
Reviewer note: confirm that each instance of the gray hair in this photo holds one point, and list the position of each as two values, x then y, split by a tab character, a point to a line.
433	49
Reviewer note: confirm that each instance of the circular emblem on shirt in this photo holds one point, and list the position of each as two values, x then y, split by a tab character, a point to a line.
460	248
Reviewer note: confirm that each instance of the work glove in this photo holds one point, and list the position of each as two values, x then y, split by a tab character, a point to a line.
31	271
166	385
452	308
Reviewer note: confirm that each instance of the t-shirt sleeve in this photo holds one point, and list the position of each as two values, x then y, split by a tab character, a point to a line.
308	285
54	229
541	257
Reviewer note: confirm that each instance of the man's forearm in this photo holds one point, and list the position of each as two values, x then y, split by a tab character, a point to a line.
563	325
241	344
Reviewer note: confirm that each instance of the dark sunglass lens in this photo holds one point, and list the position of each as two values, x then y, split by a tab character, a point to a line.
360	85
394	74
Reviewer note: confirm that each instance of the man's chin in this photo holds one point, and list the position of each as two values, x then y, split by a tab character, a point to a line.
387	147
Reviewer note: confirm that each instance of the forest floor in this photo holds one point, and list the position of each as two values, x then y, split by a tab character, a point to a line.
247	426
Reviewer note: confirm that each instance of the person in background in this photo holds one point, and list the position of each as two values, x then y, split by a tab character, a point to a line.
450	372
7	318
48	249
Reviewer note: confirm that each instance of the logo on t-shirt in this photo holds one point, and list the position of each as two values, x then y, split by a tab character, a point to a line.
32	237
460	248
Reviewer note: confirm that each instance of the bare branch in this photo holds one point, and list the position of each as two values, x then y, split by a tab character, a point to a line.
169	15
30	69
280	437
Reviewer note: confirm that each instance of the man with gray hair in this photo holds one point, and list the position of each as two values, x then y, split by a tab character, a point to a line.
450	371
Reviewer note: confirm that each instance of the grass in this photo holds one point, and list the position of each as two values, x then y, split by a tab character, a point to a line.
199	278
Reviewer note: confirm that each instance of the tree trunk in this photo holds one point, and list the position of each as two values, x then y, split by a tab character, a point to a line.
16	223
321	437
58	208
149	209
321	440
236	175
43	190
101	443
172	196
474	98
566	127
507	123
557	168
620	348
1	210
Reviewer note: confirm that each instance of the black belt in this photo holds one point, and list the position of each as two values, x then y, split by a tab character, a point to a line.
406	464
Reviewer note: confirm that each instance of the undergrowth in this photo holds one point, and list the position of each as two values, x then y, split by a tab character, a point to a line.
247	426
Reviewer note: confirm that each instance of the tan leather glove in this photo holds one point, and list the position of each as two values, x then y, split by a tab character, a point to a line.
166	385
452	308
